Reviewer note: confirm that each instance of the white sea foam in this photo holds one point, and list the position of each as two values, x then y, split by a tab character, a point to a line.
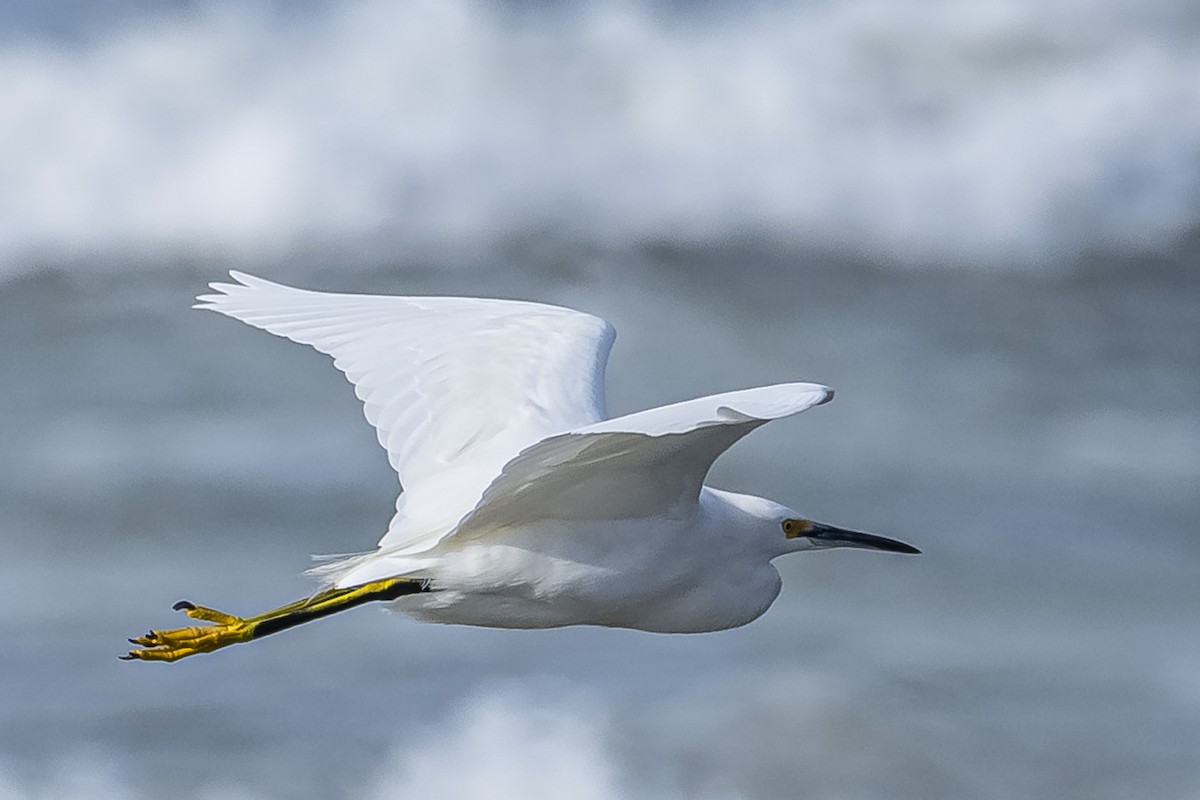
509	745
993	133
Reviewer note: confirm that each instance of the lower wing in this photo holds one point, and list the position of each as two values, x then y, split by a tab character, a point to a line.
640	465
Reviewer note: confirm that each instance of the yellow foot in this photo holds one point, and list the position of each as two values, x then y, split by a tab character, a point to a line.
228	629
175	644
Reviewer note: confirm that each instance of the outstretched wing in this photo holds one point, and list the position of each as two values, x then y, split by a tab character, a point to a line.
641	465
455	387
645	464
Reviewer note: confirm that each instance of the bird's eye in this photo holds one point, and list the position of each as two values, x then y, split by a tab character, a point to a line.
795	528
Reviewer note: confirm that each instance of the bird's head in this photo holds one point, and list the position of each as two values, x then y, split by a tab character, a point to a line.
781	530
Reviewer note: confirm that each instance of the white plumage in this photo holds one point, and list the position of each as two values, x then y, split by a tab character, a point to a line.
522	504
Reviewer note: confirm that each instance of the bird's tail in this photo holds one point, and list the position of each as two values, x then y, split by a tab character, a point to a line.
329	568
359	568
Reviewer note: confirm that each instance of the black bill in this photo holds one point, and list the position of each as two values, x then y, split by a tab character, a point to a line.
829	536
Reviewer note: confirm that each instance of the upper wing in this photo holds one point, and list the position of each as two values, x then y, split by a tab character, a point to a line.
643	464
456	387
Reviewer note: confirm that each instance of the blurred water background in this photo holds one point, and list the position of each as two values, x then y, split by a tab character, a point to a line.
977	221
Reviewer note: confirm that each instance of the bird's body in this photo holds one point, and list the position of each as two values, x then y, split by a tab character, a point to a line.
524	505
689	572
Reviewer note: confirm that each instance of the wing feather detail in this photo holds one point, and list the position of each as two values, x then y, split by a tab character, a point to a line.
455	387
650	463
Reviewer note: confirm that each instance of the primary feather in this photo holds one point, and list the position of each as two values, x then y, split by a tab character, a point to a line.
455	387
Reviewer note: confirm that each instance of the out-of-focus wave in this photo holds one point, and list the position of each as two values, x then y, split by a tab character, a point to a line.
510	745
1004	133
502	745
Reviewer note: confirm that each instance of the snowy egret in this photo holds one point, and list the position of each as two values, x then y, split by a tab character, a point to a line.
522	504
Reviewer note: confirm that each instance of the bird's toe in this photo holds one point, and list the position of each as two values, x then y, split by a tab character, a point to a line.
177	643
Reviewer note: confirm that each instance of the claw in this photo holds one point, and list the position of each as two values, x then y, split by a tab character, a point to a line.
171	645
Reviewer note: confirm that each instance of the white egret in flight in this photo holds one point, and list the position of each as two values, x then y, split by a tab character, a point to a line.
523	504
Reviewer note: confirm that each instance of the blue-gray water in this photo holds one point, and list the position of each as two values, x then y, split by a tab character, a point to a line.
985	245
1037	438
